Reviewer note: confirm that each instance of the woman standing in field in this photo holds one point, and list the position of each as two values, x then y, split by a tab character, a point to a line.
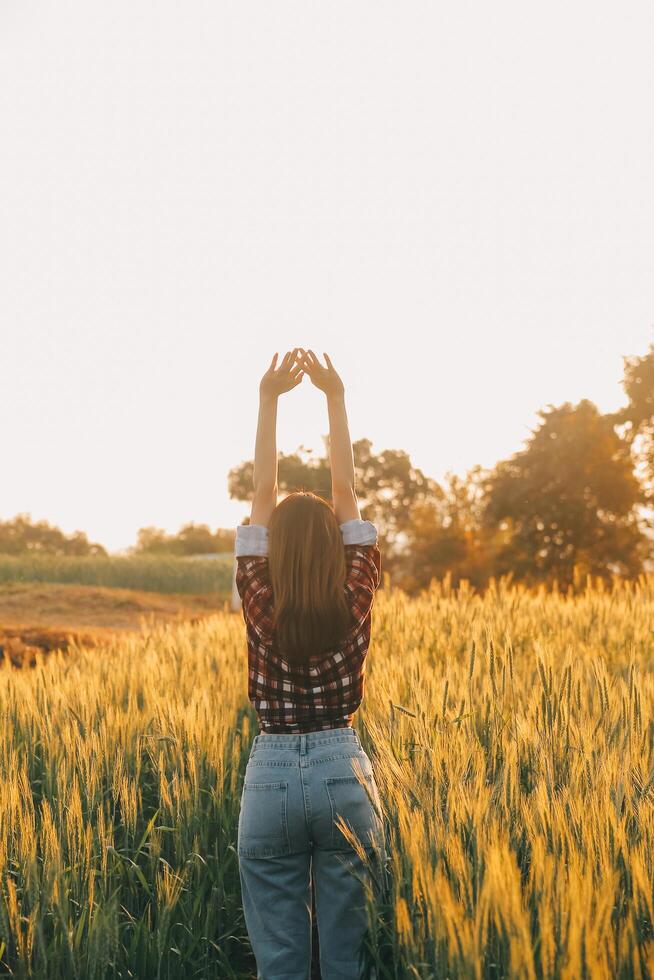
307	574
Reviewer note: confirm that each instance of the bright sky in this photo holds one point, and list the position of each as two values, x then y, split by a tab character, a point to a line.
454	200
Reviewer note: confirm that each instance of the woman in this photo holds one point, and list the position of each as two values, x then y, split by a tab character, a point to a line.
307	575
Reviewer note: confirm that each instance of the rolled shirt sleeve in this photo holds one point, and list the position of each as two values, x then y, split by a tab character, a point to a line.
251	539
358	531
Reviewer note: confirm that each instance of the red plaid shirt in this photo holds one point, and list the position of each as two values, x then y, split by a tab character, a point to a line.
326	691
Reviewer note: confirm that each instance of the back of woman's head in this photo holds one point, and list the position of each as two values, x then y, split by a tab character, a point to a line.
307	571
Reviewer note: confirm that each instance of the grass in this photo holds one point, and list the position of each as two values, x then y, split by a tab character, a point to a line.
512	737
153	574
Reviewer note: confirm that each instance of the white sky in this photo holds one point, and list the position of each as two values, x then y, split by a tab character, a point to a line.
454	200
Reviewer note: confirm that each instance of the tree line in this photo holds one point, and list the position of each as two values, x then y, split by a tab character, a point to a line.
578	499
21	535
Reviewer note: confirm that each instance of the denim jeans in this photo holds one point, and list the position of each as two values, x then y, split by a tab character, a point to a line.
295	789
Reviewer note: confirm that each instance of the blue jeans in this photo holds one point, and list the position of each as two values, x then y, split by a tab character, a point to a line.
296	786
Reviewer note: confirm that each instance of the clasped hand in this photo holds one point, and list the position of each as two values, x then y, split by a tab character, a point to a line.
295	364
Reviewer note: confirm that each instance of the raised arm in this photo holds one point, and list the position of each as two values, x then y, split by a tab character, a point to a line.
344	497
274	383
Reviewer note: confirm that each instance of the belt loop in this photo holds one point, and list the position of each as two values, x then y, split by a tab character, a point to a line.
303	744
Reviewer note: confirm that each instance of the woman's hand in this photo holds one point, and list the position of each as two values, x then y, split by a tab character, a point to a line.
324	378
278	380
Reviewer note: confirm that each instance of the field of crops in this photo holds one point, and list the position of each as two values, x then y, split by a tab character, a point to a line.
512	737
150	574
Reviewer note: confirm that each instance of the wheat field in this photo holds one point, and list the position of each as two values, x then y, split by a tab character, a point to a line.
512	737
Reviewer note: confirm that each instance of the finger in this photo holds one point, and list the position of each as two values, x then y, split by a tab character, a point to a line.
328	360
306	363
297	381
286	360
315	359
297	371
273	362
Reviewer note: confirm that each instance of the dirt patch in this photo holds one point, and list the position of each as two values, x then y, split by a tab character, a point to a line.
21	645
37	618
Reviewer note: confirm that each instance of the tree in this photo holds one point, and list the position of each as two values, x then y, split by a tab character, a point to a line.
191	539
390	486
21	536
569	498
638	416
198	539
447	535
301	470
151	541
387	484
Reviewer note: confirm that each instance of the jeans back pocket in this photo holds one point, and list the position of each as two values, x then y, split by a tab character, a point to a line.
262	822
357	803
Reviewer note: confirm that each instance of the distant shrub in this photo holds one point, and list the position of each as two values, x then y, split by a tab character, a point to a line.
21	535
192	539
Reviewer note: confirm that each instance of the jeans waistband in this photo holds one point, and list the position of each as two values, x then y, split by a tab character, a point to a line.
306	740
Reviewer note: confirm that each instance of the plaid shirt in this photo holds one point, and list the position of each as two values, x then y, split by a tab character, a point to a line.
326	691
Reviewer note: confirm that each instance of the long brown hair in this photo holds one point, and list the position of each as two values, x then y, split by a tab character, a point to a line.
306	559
